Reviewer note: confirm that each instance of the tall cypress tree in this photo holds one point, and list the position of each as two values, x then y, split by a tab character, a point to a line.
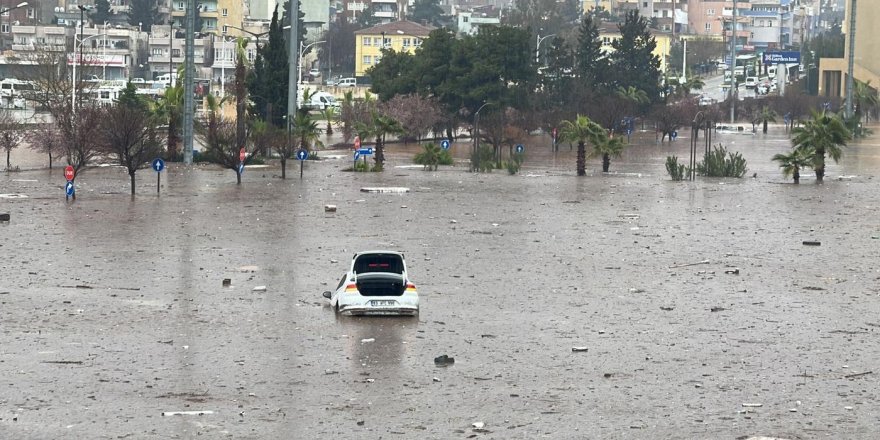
633	59
267	82
591	64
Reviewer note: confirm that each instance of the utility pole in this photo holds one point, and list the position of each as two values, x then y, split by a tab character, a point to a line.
189	66
293	61
851	39
733	66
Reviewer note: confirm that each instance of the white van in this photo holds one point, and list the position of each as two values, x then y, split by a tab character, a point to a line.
771	72
322	100
347	82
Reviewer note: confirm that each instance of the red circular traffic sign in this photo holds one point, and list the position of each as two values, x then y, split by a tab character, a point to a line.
241	155
68	172
357	142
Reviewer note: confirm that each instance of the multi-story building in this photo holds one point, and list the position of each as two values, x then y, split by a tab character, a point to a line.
609	32
833	71
469	22
399	36
666	15
764	24
30	13
167	52
706	17
215	16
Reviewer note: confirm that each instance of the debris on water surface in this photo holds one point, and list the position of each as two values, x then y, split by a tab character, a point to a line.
444	360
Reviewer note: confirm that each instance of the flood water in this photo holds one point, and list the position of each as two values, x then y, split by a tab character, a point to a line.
703	312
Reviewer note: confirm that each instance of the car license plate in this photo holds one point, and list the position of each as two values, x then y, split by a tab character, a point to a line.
383	303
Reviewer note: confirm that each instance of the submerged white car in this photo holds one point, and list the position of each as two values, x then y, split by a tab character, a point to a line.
376	284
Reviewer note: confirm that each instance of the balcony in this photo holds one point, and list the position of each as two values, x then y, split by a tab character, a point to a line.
24	29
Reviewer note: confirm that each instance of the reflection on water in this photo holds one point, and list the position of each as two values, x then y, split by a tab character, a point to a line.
377	342
646	155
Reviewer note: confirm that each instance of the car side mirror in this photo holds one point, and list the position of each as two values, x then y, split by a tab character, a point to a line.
326	294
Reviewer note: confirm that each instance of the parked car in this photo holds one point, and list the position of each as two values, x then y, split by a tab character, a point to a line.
347	82
314	72
751	82
376	284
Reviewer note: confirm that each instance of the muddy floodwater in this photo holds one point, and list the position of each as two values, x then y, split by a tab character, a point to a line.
714	309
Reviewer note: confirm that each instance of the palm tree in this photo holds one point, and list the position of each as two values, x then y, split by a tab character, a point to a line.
824	134
692	83
764	116
305	130
792	163
170	107
607	146
865	99
580	130
330	114
379	127
633	94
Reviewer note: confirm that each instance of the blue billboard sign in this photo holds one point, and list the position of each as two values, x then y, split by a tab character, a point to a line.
782	57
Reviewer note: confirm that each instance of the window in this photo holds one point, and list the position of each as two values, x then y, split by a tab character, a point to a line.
41	40
4	28
464	18
175	53
406	42
366	41
386	42
708	27
5	13
761	23
367	59
30	13
644	4
105	94
417	42
710	11
181	5
377	41
157	51
225	28
225	13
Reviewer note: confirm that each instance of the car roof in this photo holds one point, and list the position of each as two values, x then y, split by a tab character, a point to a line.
377	252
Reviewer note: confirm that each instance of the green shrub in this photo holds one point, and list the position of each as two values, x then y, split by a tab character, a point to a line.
676	170
313	155
429	157
483	160
721	163
513	166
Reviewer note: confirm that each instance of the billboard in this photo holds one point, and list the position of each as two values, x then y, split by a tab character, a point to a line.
782	57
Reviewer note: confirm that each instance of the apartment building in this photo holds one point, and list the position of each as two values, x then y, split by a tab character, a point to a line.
399	36
833	71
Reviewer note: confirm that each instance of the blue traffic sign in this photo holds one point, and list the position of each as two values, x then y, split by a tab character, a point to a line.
356	155
302	154
241	168
782	57
365	151
69	189
444	144
158	165
520	148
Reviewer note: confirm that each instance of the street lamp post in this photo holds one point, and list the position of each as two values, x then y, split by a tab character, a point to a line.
74	78
539	39
6	11
223	68
301	52
477	132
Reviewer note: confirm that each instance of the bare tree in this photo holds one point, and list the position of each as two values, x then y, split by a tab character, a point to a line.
670	118
416	115
220	137
76	122
44	138
128	134
11	134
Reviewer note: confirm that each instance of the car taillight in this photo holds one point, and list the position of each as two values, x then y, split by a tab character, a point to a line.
410	286
351	288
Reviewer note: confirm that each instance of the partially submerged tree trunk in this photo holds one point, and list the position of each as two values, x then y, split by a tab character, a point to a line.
581	159
606	163
797	176
283	167
131	176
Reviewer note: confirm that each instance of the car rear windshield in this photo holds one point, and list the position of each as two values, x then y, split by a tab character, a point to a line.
379	263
